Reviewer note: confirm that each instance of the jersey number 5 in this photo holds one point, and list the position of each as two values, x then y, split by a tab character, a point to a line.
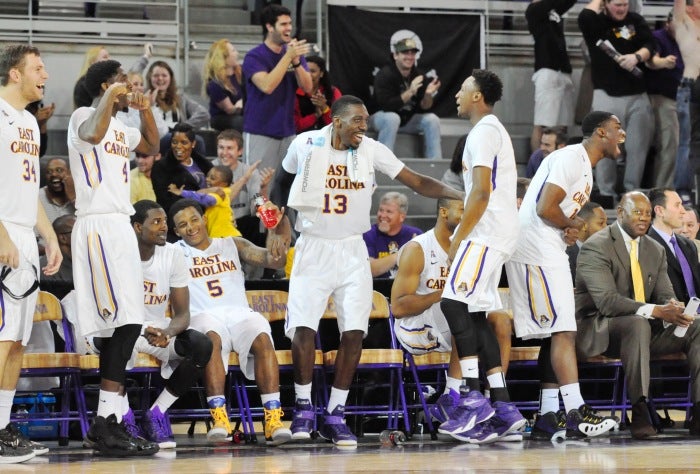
215	289
337	204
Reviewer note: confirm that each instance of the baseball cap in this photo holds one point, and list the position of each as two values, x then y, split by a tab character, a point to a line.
406	44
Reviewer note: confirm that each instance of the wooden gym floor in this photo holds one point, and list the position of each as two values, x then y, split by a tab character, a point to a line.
669	452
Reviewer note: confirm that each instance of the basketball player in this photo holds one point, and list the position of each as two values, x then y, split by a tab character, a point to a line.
330	173
183	352
22	80
484	240
540	277
106	263
217	292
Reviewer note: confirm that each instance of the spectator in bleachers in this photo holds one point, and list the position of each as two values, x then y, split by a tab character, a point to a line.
404	95
272	71
221	82
539	277
131	117
58	196
594	219
686	26
182	165
550	139
663	81
690	227
453	174
174	106
554	89
248	180
623	295
140	178
521	186
81	97
215	198
389	234
61	282
313	110
248	333
619	87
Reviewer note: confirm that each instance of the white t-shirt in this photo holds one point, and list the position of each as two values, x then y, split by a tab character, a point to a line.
570	169
166	269
101	172
488	144
346	206
217	282
19	179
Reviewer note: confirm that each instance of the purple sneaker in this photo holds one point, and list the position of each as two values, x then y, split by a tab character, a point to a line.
303	422
129	423
507	419
444	406
471	410
334	428
480	434
156	428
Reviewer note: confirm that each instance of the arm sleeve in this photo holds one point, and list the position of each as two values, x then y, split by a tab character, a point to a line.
206	200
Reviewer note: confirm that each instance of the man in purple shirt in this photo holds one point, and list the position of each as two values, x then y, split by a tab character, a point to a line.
386	237
663	80
272	71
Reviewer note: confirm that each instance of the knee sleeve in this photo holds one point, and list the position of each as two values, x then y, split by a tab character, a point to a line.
544	363
117	351
461	326
486	342
183	378
194	346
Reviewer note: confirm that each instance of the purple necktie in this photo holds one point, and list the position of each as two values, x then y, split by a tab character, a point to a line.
685	267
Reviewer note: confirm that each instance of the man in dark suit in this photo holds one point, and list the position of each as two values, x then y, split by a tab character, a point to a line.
623	297
681	253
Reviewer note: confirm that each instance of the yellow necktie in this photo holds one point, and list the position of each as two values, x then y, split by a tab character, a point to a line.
637	279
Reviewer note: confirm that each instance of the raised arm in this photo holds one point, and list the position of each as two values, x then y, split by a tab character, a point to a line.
94	129
267	82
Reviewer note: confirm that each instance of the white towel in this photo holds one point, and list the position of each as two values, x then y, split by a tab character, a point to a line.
306	194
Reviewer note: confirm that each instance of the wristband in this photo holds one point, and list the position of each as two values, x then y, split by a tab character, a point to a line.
326	110
296	65
639	58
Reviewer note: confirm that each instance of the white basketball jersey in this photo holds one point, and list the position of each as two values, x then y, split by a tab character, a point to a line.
488	144
435	266
570	169
217	283
166	269
19	179
346	205
101	172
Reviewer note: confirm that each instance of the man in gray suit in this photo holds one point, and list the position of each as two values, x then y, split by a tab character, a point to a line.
623	299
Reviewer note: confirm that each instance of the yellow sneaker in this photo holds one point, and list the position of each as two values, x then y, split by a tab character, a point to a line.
222	427
275	432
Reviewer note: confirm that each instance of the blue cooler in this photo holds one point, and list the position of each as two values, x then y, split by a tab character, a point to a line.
35	403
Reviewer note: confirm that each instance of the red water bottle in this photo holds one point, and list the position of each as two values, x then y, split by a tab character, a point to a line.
268	216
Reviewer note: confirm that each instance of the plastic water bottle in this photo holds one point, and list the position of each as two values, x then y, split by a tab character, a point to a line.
22	419
392	437
267	216
690	310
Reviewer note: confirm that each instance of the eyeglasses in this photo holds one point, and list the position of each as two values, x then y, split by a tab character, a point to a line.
14	280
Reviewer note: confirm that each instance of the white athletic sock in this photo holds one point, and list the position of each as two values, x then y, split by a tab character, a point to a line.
6	398
571	394
108	404
496	380
338	397
164	401
302	392
549	400
123	405
269	397
451	383
470	368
